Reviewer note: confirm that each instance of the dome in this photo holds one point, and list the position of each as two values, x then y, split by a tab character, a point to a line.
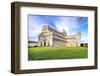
64	32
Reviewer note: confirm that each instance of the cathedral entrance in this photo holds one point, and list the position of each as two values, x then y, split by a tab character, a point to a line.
44	42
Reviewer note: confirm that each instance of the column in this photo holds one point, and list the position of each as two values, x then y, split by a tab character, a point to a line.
42	43
46	43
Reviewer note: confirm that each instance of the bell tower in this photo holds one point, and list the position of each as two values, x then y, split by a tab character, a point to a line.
79	35
78	38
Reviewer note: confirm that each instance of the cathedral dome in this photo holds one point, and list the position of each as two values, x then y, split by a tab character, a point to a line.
64	32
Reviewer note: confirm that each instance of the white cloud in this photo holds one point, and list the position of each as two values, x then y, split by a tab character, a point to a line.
84	39
34	30
61	25
69	24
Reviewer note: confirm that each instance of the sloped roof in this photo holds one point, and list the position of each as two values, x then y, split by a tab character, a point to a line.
54	31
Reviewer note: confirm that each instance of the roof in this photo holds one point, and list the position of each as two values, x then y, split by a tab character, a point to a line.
53	30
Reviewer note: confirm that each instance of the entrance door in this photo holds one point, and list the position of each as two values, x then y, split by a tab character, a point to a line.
44	43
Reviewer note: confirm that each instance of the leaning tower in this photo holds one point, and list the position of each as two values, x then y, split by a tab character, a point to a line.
78	38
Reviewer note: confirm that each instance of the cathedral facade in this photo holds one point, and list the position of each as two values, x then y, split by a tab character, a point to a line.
51	37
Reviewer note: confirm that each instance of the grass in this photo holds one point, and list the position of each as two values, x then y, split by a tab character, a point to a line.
47	53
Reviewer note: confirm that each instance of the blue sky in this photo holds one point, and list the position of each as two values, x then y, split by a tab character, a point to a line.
71	24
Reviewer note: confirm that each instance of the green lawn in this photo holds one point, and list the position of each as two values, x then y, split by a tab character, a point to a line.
47	53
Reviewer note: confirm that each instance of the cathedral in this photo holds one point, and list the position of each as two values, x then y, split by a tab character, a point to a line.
52	37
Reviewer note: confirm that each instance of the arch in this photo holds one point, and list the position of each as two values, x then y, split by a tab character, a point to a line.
44	42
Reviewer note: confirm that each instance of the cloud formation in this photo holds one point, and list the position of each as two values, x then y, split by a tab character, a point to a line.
70	24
